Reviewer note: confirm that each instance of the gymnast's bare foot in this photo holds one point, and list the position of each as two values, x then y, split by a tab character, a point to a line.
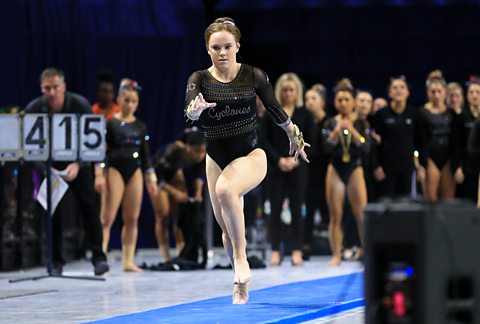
243	274
275	258
240	293
132	267
297	259
335	261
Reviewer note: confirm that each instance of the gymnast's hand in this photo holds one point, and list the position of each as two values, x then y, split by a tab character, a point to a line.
197	106
151	183
379	174
421	173
152	188
297	144
459	176
100	183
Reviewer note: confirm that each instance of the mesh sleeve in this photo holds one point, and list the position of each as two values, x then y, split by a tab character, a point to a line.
193	88
145	152
265	93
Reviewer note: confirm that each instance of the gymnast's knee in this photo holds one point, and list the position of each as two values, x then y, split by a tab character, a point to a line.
224	191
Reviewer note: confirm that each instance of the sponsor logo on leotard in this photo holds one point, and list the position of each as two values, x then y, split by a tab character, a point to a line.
228	112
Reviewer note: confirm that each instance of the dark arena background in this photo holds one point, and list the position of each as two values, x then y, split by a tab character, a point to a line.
420	263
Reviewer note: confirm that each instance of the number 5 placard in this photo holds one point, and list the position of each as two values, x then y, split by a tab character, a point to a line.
92	137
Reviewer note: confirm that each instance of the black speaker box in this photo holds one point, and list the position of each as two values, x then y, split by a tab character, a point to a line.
422	263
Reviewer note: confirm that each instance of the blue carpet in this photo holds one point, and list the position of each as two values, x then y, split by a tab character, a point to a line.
290	303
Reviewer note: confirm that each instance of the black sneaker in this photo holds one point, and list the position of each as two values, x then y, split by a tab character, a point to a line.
100	267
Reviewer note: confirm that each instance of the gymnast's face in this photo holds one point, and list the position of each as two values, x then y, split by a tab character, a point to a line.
223	48
436	93
364	103
455	98
288	93
313	101
197	152
473	95
344	102
398	90
128	101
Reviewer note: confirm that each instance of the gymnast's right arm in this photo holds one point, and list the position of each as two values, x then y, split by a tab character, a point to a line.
194	101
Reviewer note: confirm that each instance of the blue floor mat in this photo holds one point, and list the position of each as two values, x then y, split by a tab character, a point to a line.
290	303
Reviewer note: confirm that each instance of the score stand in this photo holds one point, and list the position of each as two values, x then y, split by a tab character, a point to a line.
47	138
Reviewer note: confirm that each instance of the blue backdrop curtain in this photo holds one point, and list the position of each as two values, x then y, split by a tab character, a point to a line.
156	42
367	41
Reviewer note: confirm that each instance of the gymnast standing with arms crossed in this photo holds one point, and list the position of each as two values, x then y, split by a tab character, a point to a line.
226	94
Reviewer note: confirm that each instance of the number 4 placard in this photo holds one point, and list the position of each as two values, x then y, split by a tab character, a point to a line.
35	137
92	137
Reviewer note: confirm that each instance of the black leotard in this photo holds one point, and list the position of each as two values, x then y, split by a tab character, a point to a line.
436	136
127	147
334	148
170	159
230	127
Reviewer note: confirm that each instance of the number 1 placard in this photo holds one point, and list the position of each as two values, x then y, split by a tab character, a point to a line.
64	137
35	137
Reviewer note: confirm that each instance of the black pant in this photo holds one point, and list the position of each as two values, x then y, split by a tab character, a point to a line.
469	188
291	185
82	189
350	227
251	203
192	226
396	184
315	200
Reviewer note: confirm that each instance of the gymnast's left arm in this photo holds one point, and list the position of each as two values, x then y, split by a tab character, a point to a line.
265	92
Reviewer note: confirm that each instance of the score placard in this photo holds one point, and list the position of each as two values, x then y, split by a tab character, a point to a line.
64	137
10	137
35	137
73	137
92	137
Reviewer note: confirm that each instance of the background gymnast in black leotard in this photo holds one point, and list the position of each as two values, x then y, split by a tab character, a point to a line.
127	156
344	139
223	97
436	145
169	164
